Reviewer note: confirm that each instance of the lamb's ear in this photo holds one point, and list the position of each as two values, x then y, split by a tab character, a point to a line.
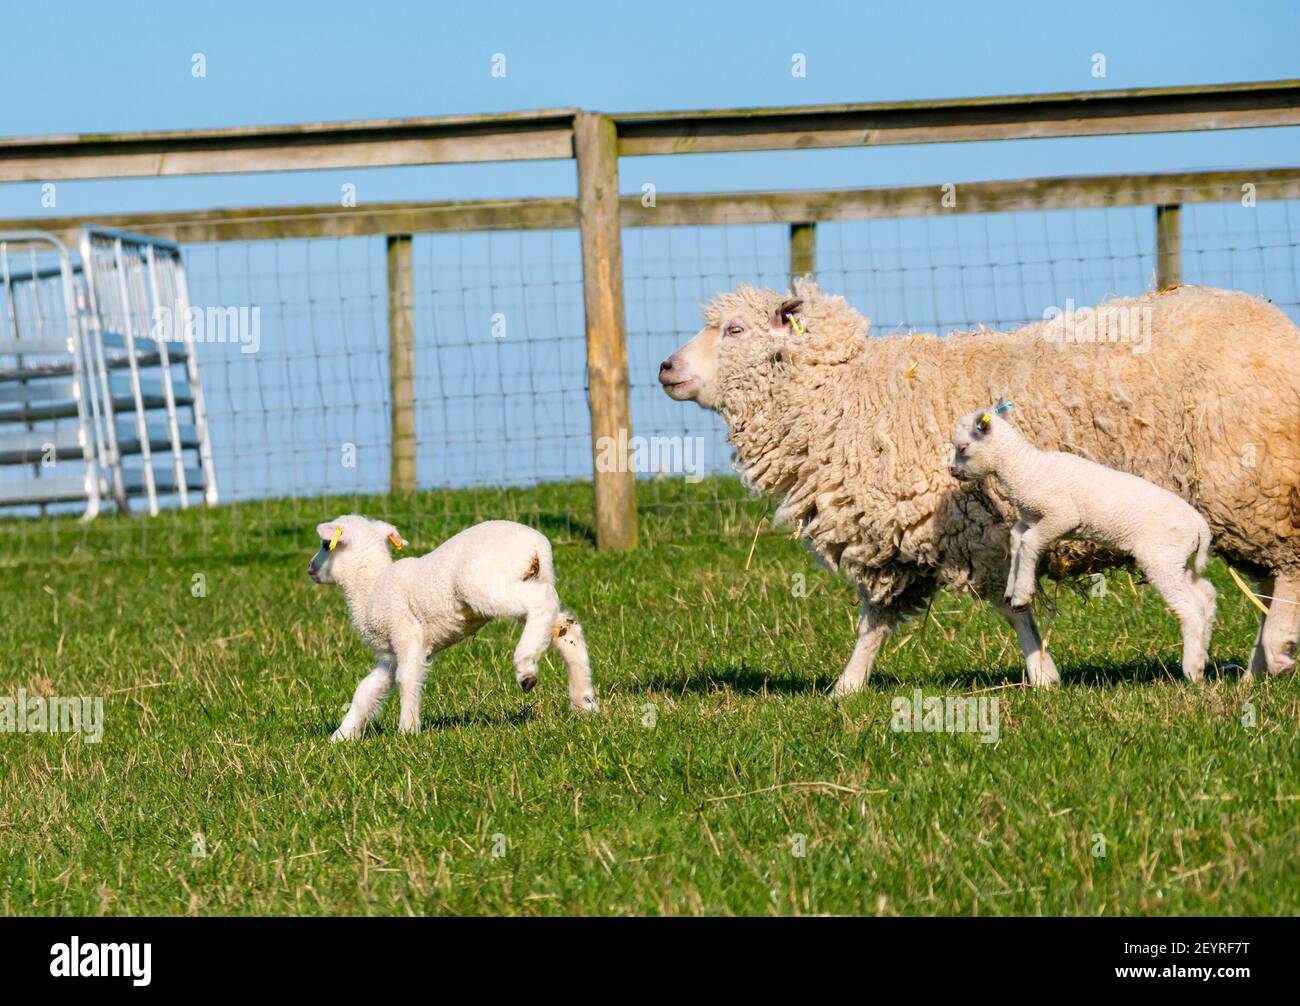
785	316
333	533
393	535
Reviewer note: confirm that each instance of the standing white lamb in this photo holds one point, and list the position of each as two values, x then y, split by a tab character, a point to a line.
1059	495
408	610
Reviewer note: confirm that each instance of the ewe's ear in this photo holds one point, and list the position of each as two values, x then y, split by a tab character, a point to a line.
333	533
784	317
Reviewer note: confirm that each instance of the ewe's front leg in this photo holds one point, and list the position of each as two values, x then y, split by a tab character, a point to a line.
411	670
873	626
1040	668
372	690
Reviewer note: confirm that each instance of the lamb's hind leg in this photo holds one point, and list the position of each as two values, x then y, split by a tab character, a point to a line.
1040	668
537	604
1275	646
1186	602
411	671
1209	604
568	639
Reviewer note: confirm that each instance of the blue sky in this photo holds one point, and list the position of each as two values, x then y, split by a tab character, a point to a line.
488	414
90	67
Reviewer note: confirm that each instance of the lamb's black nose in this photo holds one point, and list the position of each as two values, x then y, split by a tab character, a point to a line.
666	366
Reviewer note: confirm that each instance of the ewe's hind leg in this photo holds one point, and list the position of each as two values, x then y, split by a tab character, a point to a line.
1275	646
873	626
569	640
372	690
1188	605
1040	668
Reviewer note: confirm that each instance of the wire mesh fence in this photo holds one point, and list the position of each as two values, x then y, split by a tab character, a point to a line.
299	406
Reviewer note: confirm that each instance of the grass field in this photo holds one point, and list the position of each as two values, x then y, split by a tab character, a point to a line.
717	758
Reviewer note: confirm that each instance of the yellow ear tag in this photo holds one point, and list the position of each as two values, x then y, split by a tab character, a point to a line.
334	541
983	423
796	325
396	539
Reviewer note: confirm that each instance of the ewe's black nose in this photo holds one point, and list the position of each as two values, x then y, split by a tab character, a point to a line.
666	366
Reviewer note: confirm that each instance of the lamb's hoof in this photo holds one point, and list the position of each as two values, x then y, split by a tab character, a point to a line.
339	735
843	688
527	682
586	705
1281	665
408	729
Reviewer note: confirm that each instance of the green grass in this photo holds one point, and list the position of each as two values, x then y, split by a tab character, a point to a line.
219	709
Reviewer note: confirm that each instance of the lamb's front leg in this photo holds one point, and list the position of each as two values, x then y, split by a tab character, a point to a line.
372	690
1033	542
411	670
1018	530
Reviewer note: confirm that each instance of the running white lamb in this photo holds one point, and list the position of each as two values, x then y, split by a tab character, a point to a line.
408	610
1058	495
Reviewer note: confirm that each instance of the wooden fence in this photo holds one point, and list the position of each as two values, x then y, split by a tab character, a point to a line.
597	141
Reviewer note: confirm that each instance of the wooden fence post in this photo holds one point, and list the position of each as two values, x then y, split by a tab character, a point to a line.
595	144
1169	246
401	361
803	250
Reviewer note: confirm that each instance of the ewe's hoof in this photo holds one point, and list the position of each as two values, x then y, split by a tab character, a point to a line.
1042	672
339	735
528	682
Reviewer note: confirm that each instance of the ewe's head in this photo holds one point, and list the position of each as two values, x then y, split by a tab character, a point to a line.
977	441
750	332
348	543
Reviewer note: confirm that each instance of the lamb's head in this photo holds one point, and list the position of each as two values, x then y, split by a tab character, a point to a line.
978	440
351	543
750	332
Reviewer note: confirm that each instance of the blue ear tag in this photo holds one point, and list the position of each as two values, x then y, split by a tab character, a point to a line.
1003	407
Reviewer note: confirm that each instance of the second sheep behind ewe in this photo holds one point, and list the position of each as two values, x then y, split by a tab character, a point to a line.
408	610
1058	495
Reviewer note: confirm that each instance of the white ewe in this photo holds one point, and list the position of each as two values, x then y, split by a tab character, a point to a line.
1059	495
408	610
849	432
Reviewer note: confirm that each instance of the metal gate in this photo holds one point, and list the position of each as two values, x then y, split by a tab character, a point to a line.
139	309
96	374
48	451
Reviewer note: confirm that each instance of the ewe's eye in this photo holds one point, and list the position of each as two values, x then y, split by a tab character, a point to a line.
735	329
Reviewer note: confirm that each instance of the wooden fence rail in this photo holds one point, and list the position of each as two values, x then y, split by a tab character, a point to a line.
597	142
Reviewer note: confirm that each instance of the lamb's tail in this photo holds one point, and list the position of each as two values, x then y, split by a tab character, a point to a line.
1202	547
